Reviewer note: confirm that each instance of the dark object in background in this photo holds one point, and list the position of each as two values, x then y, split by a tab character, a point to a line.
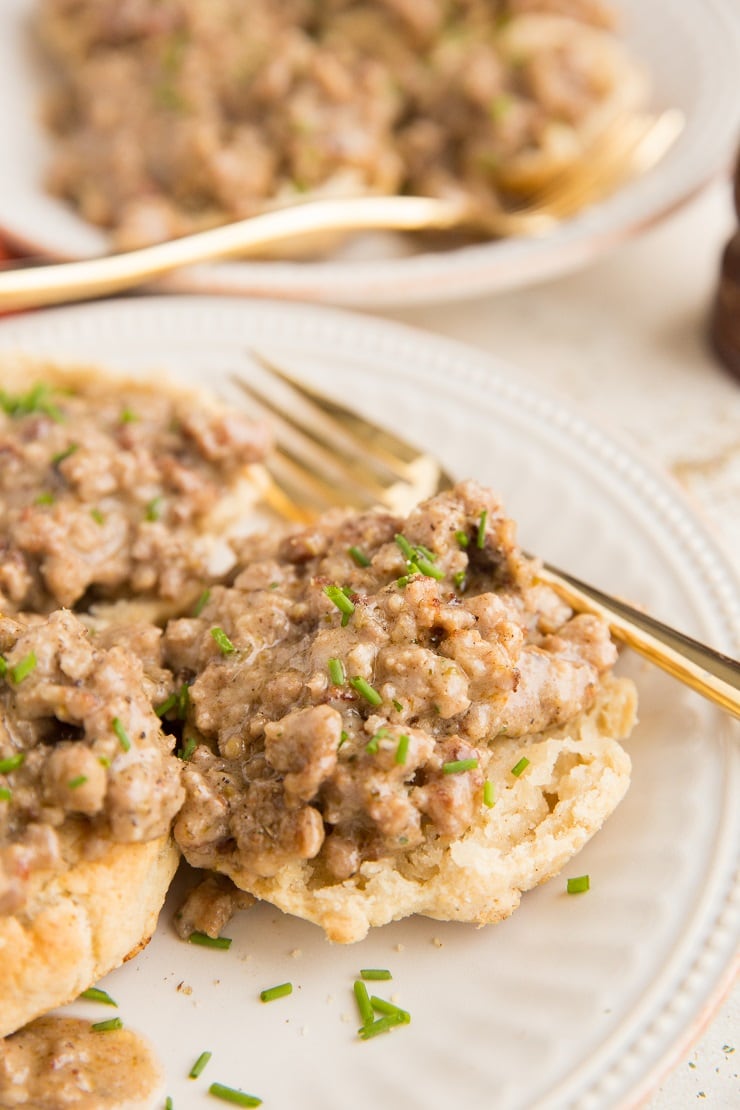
725	321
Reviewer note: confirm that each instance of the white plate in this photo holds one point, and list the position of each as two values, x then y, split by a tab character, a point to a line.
691	48
577	1002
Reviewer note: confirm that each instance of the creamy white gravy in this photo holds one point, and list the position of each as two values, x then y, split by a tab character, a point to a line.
60	1062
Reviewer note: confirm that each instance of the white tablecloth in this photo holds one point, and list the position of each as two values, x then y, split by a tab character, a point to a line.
626	340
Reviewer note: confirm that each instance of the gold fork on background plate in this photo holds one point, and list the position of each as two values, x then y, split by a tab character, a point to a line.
628	146
327	455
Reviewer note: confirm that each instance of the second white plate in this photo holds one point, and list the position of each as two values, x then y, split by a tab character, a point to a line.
691	50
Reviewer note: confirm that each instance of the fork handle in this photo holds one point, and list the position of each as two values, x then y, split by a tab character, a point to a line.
711	673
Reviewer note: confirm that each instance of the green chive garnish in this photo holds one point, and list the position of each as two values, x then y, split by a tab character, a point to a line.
372	746
383	1025
97	516
3	666
168	1103
402	750
342	602
367	1014
480	539
189	745
382	1007
419	559
343	738
462	538
166	705
5	794
455	766
103	761
76	782
406	549
209	942
397	706
232	1095
369	973
23	669
225	645
107	1026
128	416
336	672
120	731
271	993
489	796
44	499
199	1065
402	581
365	690
459	580
95	994
183	701
201	603
12	763
429	569
359	557
154	508
578	885
62	455
520	766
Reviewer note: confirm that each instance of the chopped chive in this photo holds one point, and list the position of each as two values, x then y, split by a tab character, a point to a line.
382	1007
44	499
120	731
77	781
520	766
154	508
103	761
480	539
402	750
189	745
107	1026
343	738
5	794
336	672
97	516
367	1014
209	942
459	580
372	746
232	1095
359	557
225	645
166	705
383	1025
95	994
365	690
12	763
128	416
402	581
342	602
201	603
23	669
397	706
271	993
62	455
370	973
183	701
578	885
429	570
426	553
168	1103
455	766
199	1066
3	666
406	549
462	538
489	796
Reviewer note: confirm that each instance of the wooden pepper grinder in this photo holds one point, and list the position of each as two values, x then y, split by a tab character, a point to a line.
725	321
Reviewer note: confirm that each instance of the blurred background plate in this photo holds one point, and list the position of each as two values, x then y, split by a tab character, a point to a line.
691	49
573	1002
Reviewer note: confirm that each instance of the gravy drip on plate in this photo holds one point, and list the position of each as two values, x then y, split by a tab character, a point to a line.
59	1062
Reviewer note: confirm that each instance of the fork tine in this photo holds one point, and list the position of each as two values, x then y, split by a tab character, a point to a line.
328	456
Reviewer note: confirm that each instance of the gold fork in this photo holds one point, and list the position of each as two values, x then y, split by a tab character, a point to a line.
631	144
327	455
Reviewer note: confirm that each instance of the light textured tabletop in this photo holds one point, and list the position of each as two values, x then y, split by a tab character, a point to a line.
626	341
